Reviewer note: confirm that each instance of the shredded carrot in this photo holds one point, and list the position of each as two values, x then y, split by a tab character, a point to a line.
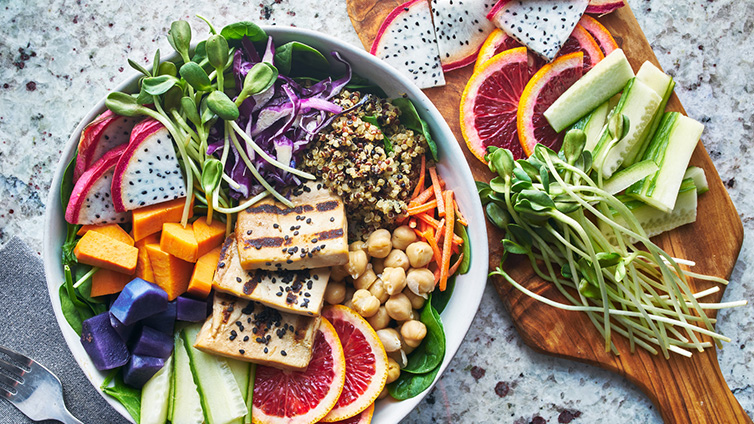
429	220
455	249
455	266
415	210
438	191
437	275
439	231
422	198
420	186
459	217
433	244
448	242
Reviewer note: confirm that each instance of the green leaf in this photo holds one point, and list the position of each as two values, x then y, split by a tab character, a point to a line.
71	313
544	177
540	201
217	51
189	108
260	78
168	68
430	352
236	31
520	235
531	169
139	68
123	104
589	290
66	186
385	140
129	397
497	215
179	37
440	299
196	76
219	103
156	86
502	162
466	262
200	52
296	58
522	174
211	174
514	248
410	385
410	119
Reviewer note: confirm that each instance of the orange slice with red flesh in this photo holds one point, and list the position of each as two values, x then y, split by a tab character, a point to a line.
599	33
497	42
581	41
363	417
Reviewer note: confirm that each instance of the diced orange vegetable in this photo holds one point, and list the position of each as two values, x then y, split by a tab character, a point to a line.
420	185
148	220
105	282
447	243
150	239
438	191
99	250
179	241
113	231
422	208
143	265
208	237
170	273
204	273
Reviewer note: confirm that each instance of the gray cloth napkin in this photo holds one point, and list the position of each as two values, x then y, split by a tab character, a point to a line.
28	326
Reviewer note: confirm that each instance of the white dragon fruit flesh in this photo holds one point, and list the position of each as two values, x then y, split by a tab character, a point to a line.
406	40
541	25
461	28
91	201
148	172
103	134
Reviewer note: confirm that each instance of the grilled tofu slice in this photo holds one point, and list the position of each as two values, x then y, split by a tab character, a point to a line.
311	234
296	291
248	331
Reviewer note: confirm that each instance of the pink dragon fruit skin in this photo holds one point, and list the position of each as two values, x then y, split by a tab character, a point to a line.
603	7
91	200
461	29
148	172
103	134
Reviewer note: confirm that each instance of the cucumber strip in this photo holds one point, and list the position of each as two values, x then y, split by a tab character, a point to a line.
700	180
639	103
628	176
220	396
663	85
597	86
592	124
678	134
187	407
240	370
250	392
155	396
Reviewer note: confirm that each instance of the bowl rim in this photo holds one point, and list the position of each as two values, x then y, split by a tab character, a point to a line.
450	151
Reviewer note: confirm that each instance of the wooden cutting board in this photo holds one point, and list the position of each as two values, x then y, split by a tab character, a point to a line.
685	390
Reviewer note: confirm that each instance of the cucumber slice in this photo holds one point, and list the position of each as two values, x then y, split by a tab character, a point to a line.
671	150
628	176
187	406
639	104
603	81
700	180
250	392
220	396
155	396
592	124
240	370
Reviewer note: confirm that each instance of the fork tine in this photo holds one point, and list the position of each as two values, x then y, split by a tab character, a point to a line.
22	360
11	383
4	393
12	368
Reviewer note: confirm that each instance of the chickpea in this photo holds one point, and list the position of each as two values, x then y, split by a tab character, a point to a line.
397	259
357	245
419	254
378	265
338	273
417	302
357	263
420	281
335	292
379	320
349	297
394	280
399	307
403	236
390	339
393	370
413	332
364	303
366	279
383	394
379	244
378	290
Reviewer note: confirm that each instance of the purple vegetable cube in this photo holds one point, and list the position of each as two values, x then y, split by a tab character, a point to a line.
150	342
163	321
138	300
124	331
102	343
191	310
140	369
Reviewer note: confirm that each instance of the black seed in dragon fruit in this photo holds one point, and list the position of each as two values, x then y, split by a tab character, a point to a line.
461	28
91	201
148	172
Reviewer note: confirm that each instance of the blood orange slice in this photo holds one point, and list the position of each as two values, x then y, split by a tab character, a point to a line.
542	90
600	34
366	362
581	41
363	417
497	42
490	102
302	397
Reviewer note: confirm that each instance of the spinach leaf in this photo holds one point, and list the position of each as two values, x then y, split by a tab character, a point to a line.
428	355
359	83
466	262
233	33
66	186
440	299
410	385
298	59
385	140
411	119
71	239
129	397
70	311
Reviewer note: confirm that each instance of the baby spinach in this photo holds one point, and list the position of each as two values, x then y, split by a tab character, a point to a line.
440	299
294	58
385	140
75	310
411	119
429	354
129	397
410	385
236	31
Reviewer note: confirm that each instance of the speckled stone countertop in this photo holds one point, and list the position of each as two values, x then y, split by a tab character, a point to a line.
57	58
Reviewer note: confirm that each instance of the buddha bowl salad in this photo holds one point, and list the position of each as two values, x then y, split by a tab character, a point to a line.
252	238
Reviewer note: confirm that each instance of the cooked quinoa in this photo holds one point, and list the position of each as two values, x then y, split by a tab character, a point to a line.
351	159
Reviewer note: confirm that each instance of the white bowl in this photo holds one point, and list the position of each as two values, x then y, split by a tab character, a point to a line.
464	303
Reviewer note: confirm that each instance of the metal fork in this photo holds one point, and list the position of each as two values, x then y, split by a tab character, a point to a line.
33	389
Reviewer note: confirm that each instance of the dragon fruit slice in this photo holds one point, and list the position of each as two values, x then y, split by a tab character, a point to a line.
406	40
461	29
148	172
603	7
107	131
541	25
91	202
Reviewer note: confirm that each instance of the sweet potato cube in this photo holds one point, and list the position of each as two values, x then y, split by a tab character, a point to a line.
114	231
179	241
144	266
102	251
170	273
148	220
204	272
105	281
150	239
209	236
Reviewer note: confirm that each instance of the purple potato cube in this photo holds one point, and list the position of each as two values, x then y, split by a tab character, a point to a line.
151	342
138	300
140	369
163	321
191	310
124	331
103	344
